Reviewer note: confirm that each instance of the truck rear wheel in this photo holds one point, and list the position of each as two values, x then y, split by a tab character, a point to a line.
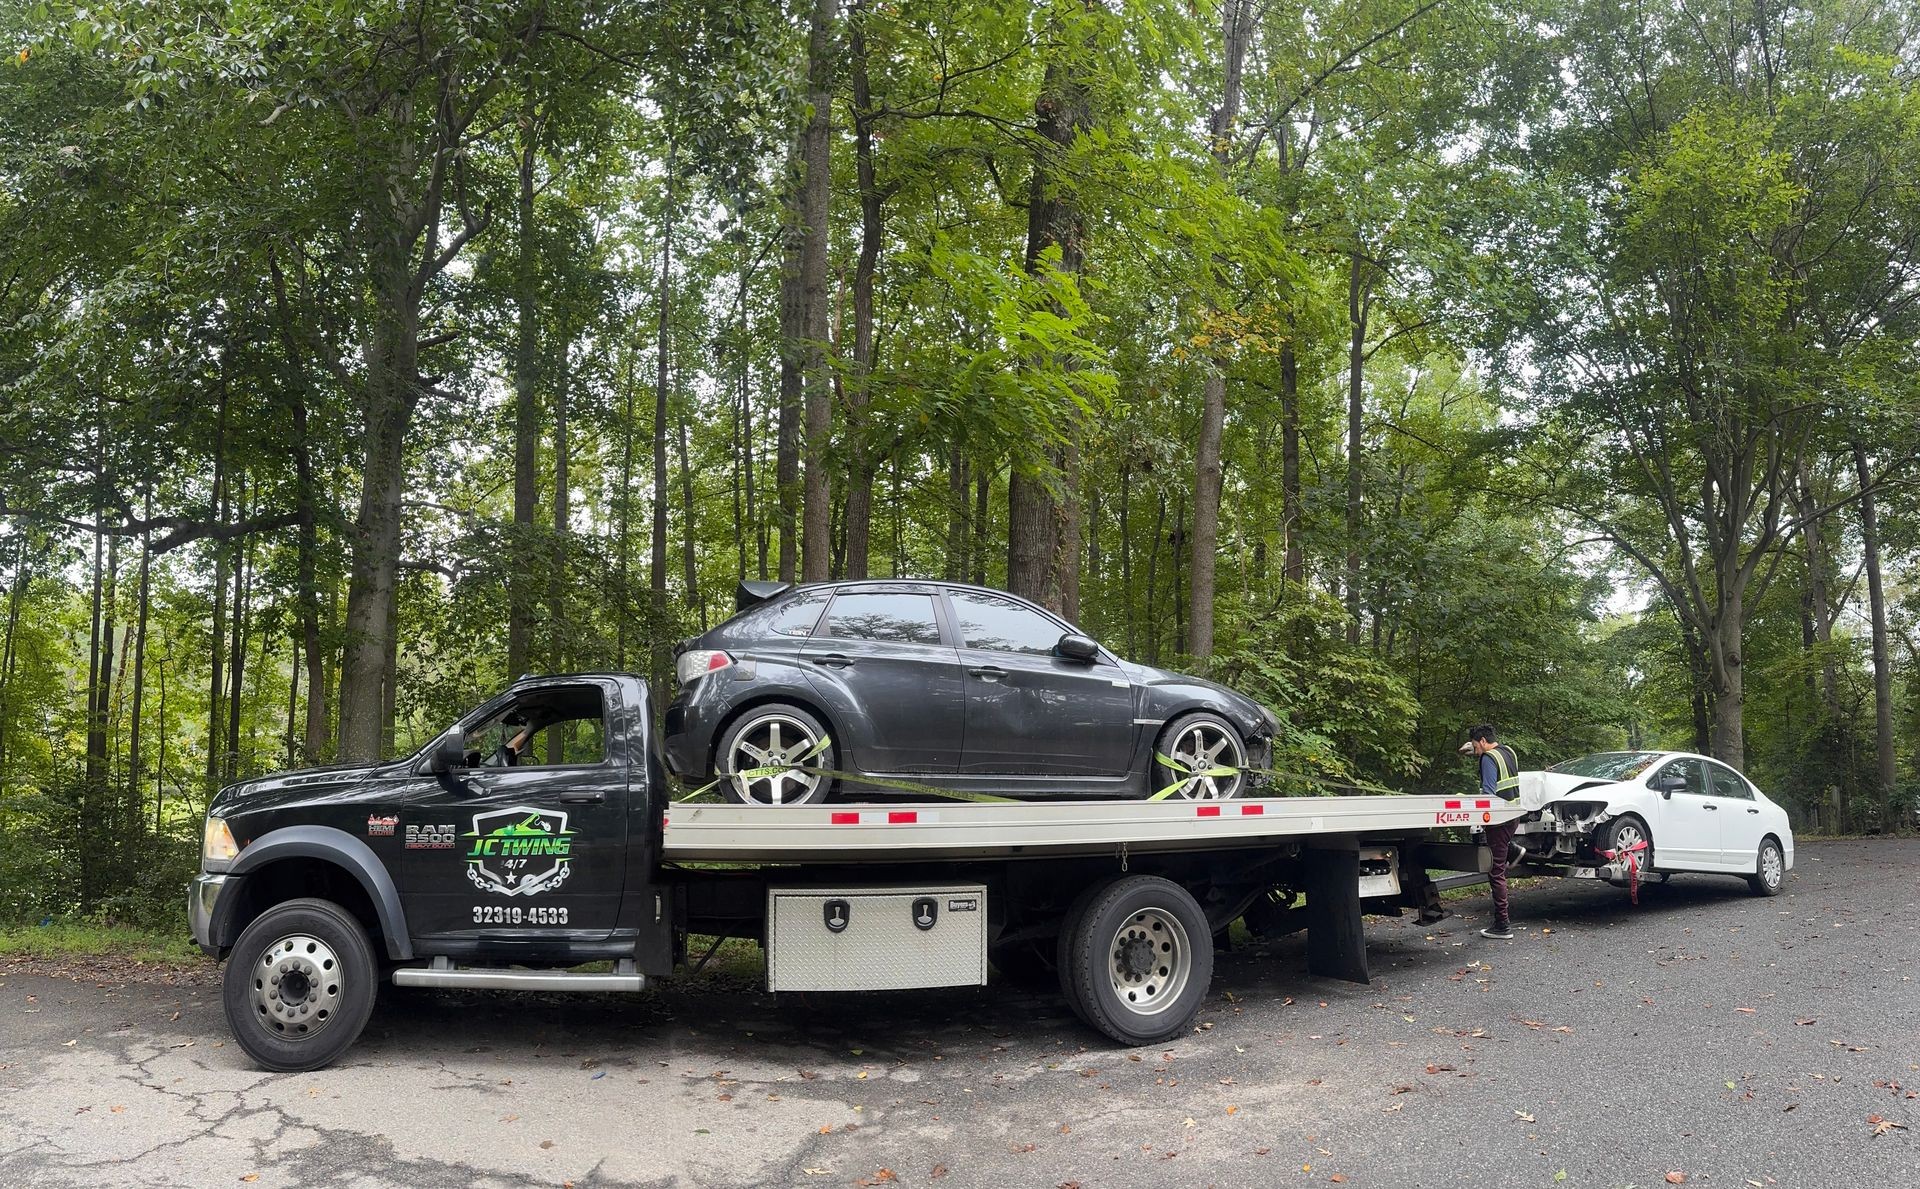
299	985
1138	960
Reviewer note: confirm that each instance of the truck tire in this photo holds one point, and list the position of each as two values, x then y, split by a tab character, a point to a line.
1139	960
1770	872
299	985
1201	739
755	737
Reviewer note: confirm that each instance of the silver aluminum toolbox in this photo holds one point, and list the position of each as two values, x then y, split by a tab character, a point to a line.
876	938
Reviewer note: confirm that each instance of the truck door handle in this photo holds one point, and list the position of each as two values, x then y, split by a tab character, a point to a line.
833	660
582	797
988	672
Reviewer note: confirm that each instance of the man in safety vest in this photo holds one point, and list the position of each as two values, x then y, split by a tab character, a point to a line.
1499	777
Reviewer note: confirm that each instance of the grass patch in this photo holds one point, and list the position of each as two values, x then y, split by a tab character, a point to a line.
738	960
80	939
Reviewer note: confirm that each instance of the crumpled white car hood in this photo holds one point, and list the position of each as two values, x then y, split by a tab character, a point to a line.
1540	789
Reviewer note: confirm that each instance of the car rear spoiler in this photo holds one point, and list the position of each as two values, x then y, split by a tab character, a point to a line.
751	593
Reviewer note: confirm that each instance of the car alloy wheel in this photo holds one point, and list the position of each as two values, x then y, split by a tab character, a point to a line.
1201	745
765	761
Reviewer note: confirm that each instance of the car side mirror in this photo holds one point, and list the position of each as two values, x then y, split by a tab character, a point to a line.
449	752
1670	784
1075	647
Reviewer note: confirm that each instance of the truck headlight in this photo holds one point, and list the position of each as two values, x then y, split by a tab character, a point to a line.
216	843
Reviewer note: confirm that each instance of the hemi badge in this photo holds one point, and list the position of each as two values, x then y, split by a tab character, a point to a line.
1208	811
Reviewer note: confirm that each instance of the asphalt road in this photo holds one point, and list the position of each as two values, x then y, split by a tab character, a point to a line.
1735	1040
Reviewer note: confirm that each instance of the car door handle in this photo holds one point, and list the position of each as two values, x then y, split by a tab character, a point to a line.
1753	811
987	672
832	660
1712	806
582	797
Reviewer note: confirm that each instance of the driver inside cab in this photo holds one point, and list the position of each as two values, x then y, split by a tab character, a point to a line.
510	753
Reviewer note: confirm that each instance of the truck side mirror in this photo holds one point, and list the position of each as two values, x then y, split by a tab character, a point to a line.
1076	647
448	753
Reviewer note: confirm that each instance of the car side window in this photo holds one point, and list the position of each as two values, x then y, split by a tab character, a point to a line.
793	617
1002	625
884	616
1689	769
562	726
1727	783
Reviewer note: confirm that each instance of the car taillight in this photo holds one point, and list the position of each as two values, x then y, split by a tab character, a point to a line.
698	662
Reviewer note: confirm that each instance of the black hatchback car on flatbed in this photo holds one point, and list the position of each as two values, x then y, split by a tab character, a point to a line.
941	684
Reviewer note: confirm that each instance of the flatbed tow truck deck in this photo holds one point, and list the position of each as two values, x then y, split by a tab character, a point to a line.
441	870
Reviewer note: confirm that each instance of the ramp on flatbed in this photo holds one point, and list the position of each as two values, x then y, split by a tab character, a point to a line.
960	830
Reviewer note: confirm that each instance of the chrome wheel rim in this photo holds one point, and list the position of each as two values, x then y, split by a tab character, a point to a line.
1772	866
773	748
1208	745
297	985
1625	837
1149	961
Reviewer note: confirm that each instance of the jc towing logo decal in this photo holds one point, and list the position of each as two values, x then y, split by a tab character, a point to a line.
519	851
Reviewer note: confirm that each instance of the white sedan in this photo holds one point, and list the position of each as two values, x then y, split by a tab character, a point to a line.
1693	812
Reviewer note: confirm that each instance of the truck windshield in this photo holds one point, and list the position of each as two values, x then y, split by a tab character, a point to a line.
1608	765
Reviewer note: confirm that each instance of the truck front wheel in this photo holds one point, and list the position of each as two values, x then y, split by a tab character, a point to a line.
1139	960
299	985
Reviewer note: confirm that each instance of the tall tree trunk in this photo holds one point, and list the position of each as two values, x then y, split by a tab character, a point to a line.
521	570
135	761
1729	680
1035	518
236	668
16	600
623	571
392	358
557	655
872	229
662	650
1883	753
688	555
1359	290
1236	31
816	545
306	545
1294	566
959	532
1126	554
982	505
93	788
1819	609
793	328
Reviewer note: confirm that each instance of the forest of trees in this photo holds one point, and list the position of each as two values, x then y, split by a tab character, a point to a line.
1403	363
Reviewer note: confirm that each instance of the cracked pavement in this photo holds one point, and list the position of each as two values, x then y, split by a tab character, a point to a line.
1741	1041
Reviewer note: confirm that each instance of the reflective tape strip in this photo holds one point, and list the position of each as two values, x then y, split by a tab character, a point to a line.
1252	810
1483	805
884	817
1453	805
1206	811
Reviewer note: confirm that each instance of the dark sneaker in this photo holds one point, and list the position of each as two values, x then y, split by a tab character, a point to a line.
1498	932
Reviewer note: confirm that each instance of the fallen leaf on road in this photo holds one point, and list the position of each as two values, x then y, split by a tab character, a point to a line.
1748	1010
1563	1028
1534	1023
1389	1110
1400	1090
1676	1178
939	1170
250	1178
1804	1023
1233	1110
547	1143
1338	1179
1021	1147
814	1172
861	1076
1190	1122
1523	1116
1884	1126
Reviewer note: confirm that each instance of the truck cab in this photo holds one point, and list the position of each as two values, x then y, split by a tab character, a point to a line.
525	834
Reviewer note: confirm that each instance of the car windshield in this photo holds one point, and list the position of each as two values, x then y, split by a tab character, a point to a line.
1608	765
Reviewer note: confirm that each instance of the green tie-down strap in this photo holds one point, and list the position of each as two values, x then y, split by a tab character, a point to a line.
1188	774
799	764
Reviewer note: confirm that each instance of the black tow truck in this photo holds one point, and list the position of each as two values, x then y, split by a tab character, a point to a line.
538	835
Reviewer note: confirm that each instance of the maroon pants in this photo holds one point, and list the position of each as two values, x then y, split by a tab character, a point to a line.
1500	839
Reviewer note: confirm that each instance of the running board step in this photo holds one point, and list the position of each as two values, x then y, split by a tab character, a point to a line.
443	973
